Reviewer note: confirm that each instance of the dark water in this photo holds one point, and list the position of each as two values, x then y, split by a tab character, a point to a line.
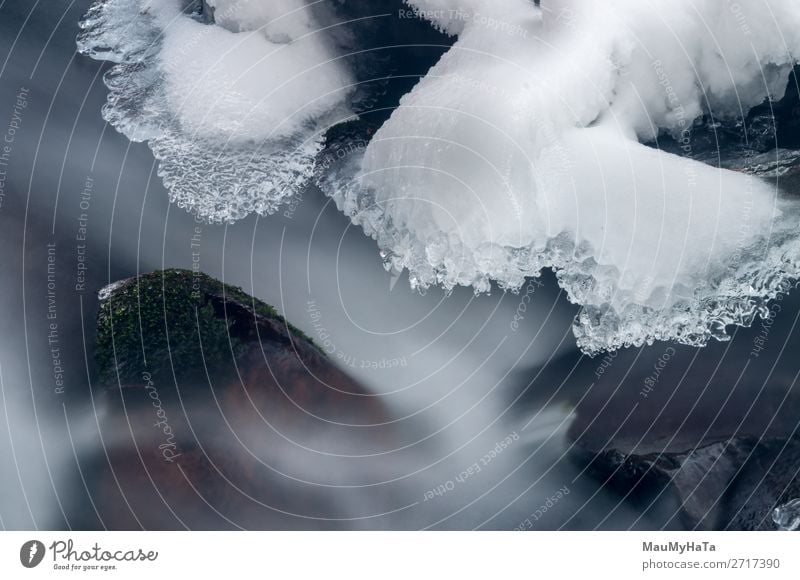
82	207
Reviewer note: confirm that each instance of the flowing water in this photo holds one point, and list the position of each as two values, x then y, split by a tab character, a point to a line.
82	207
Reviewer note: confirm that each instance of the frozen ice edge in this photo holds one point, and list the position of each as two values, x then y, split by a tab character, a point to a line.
247	180
730	296
220	182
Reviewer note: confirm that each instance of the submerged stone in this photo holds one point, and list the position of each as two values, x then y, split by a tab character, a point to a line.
726	452
216	413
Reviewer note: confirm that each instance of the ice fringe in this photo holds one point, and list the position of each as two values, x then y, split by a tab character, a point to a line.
235	117
519	151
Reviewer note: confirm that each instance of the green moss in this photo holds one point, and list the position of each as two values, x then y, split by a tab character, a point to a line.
156	323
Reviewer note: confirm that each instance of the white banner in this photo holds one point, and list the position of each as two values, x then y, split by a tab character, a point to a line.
401	555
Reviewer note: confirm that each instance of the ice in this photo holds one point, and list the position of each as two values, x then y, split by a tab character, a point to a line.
235	112
519	150
787	516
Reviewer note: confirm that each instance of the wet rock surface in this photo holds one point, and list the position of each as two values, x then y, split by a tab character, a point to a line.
764	142
389	50
733	484
712	434
716	429
216	414
200	10
769	479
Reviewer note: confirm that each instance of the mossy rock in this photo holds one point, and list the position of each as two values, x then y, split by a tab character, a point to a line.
180	323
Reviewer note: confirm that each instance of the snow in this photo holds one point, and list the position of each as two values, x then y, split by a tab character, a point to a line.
234	113
520	149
